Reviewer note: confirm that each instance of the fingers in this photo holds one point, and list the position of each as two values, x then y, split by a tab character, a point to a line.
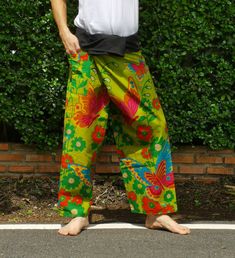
77	49
72	50
77	46
71	44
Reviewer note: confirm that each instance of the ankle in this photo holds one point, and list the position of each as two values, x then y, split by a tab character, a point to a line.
152	217
81	218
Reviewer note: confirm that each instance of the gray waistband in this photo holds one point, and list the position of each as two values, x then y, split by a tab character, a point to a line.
100	44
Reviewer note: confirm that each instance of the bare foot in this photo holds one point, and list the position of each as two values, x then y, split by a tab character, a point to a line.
74	227
165	222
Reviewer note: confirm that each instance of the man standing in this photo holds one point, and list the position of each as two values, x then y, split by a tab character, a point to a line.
109	76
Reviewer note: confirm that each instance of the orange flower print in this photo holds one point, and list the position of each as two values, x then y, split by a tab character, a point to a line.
150	206
144	133
156	103
168	209
131	195
98	134
84	57
74	55
145	153
77	199
65	160
63	197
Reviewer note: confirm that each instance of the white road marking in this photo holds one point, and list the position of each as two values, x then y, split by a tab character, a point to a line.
113	226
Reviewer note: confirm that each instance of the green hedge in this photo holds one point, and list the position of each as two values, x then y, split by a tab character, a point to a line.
189	48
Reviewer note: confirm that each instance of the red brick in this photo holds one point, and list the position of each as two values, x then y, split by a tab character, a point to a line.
182	158
12	157
4	146
103	158
21	169
229	160
108	148
58	157
191	169
184	154
208	159
180	179
21	146
206	180
186	148
38	157
3	168
225	151
175	169
115	158
220	170
107	169
47	169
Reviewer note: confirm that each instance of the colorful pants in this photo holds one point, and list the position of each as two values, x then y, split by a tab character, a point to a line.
103	85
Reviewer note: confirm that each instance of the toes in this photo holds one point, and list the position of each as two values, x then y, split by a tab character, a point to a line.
182	231
74	233
167	223
62	232
153	227
156	225
185	230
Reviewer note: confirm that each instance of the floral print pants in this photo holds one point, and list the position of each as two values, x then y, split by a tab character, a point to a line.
122	87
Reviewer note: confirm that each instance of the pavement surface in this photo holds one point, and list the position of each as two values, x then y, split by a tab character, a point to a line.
120	243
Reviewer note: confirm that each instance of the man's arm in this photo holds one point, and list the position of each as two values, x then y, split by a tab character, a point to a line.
70	41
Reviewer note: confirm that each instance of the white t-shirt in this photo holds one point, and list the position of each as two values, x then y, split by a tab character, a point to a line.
113	17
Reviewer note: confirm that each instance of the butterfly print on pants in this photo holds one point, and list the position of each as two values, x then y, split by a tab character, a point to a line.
155	183
88	107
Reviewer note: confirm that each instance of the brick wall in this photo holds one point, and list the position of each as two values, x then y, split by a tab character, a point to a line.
189	162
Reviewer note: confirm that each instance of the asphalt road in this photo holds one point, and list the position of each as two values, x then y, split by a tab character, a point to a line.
120	243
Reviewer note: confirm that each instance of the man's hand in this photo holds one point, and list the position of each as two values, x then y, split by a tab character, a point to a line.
70	41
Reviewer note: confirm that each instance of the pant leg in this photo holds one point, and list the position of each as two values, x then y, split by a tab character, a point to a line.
85	122
141	135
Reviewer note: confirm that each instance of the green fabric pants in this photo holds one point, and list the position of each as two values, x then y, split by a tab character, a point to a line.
122	87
